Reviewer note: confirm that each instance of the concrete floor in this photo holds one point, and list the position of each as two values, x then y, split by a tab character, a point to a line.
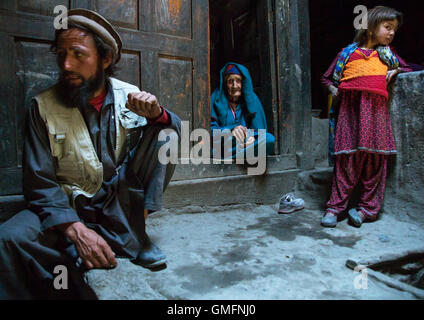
254	253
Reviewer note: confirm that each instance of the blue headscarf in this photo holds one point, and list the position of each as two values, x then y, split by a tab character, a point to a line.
219	102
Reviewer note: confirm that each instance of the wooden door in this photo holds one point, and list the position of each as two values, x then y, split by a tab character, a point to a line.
165	52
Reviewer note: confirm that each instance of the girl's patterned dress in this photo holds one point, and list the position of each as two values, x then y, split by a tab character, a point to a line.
363	141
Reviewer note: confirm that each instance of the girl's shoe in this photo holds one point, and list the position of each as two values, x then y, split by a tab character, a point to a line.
329	220
356	217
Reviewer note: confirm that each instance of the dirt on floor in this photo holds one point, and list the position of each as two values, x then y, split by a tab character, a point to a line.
251	252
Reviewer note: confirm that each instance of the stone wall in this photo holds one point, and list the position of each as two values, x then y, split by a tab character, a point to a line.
405	184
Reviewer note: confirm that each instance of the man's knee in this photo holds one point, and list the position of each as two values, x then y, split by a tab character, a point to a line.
10	238
22	228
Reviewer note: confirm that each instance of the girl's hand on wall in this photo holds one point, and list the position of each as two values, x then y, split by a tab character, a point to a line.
391	74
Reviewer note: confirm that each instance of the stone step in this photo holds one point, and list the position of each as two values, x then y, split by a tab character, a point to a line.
314	186
239	189
197	193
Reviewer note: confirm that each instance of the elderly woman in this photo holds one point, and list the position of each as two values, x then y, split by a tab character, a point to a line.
236	107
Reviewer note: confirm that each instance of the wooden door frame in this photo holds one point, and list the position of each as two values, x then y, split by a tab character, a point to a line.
294	79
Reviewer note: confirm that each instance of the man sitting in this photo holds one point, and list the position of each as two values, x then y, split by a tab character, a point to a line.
91	170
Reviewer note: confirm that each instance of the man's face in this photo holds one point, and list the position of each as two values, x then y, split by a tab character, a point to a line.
77	57
82	70
234	86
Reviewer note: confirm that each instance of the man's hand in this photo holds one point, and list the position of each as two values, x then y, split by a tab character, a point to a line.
391	74
91	247
144	104
239	133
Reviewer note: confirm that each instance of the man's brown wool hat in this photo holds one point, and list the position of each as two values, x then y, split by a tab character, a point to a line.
99	25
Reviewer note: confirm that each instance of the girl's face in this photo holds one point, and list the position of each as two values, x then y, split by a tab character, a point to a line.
385	32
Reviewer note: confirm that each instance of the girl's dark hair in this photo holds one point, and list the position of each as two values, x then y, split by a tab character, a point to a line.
103	48
376	16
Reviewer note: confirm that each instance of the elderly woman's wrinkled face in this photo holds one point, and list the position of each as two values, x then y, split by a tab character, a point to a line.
234	86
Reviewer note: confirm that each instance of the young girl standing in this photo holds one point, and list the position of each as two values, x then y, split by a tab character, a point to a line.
363	140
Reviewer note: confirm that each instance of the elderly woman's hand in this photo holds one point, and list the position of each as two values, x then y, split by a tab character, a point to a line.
239	133
248	142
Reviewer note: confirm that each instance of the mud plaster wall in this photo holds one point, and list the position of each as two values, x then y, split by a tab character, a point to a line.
405	184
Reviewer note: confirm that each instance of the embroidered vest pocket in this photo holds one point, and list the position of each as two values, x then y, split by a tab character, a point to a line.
130	120
131	124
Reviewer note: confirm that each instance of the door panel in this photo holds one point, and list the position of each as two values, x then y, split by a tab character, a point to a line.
162	54
176	76
44	7
35	71
173	17
8	154
118	14
129	68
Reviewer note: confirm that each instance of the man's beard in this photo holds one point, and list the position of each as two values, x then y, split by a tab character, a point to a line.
79	96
